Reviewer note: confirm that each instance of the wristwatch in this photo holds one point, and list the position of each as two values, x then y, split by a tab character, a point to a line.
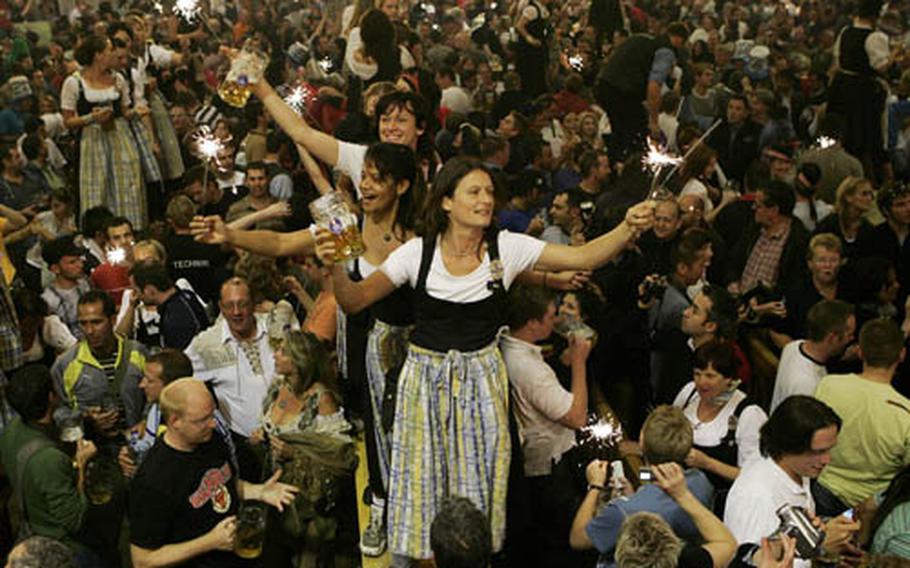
600	488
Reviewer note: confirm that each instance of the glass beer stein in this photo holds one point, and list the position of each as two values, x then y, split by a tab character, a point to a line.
250	530
246	69
331	212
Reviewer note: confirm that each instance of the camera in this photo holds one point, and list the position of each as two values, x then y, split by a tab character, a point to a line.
653	289
795	523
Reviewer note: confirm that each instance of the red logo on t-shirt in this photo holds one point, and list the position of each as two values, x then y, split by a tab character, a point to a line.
213	487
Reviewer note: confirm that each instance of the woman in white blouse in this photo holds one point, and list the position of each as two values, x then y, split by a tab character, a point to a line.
725	422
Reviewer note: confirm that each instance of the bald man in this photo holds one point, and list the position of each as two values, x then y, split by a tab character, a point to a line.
186	493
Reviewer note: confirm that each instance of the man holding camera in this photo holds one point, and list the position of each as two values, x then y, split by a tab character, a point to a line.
666	437
796	441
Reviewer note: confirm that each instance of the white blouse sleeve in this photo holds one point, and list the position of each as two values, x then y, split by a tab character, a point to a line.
747	434
69	93
124	87
55	334
683	396
878	50
404	263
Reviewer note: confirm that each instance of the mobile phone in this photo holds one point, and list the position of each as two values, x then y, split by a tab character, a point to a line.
645	475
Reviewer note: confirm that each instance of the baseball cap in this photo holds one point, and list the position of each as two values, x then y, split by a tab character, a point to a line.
56	249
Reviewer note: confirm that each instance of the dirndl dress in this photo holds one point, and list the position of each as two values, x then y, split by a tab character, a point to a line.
451	429
110	173
150	170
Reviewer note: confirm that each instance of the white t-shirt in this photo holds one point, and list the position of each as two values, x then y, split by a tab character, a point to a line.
796	373
69	93
540	401
350	162
516	251
760	490
711	433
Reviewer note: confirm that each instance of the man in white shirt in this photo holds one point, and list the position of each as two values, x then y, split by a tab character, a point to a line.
796	441
546	413
235	357
831	327
454	98
65	260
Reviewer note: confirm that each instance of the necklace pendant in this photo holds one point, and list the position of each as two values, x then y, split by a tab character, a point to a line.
387	237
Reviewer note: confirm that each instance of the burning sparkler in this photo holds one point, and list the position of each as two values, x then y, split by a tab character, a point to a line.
603	434
825	142
116	255
189	10
208	147
298	99
158	7
657	158
577	62
326	64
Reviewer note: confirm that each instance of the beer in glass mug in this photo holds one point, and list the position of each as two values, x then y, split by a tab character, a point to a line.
250	530
332	212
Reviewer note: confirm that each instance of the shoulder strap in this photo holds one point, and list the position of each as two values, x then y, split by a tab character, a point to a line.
426	259
732	422
23	456
690	397
497	272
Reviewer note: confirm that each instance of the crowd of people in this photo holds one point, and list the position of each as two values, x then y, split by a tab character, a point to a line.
617	283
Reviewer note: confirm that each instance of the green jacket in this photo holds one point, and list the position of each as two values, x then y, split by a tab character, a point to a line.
55	508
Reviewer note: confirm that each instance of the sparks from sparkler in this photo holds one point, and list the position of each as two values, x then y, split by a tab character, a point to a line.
577	62
116	255
187	9
298	99
603	431
657	158
208	146
825	142
326	64
158	6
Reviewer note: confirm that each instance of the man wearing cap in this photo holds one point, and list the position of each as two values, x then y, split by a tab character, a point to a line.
65	259
780	162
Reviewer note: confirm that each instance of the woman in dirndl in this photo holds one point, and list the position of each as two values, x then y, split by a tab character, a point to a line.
450	434
96	104
858	91
149	57
140	122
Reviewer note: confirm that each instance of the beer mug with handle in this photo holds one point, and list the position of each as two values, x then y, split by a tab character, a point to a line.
246	69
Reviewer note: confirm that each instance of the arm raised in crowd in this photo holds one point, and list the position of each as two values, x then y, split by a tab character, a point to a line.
351	296
596	253
212	230
320	144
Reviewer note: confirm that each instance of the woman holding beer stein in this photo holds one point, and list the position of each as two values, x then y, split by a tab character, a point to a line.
96	104
308	439
450	434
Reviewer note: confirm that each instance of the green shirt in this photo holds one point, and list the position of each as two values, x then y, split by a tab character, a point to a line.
55	508
874	440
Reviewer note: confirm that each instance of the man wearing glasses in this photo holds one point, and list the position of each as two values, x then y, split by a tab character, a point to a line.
235	359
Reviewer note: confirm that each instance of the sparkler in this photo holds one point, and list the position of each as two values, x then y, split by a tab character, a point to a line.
656	160
326	64
189	10
116	255
825	142
208	147
577	62
603	434
158	6
298	99
694	145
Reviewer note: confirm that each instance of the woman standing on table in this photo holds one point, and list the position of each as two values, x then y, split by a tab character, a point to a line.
451	414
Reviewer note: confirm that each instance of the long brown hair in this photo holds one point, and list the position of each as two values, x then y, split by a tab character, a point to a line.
312	361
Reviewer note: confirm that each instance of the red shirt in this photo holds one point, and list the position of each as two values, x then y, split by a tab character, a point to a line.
113	279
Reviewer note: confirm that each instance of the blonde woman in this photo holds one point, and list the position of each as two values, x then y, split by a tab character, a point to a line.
855	197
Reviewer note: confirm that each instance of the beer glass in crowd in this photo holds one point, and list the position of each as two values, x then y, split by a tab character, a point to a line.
250	530
246	69
332	212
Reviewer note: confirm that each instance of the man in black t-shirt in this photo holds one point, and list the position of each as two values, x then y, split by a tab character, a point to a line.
186	494
181	313
201	264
